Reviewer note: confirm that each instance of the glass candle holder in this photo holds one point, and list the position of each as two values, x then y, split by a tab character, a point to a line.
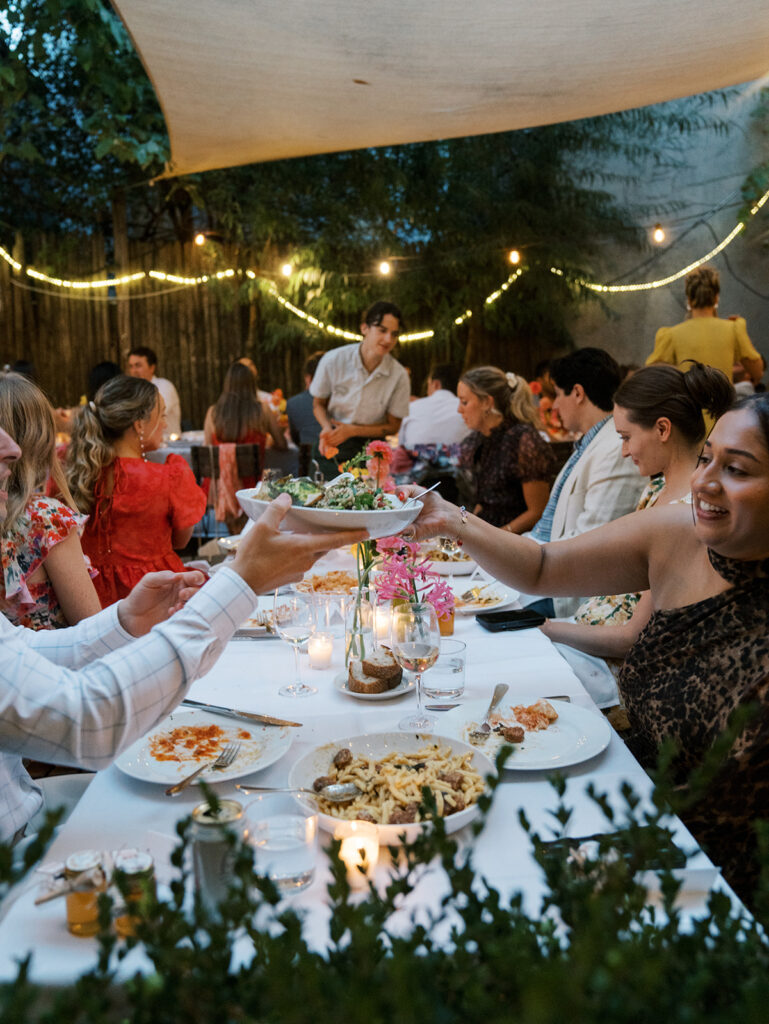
359	851
320	647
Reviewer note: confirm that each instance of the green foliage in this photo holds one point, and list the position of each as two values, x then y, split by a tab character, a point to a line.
595	951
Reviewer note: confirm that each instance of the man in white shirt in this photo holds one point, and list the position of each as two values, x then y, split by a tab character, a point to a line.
359	391
79	696
142	362
434	420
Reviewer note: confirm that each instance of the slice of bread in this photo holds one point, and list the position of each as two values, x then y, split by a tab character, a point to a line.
360	682
381	663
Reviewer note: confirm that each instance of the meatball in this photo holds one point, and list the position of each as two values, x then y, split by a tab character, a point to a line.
404	815
366	816
452	803
342	758
454	779
513	734
322	781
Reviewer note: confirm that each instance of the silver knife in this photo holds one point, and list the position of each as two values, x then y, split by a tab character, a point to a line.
246	716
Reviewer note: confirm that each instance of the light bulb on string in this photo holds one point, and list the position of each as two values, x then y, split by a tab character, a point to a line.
658	234
200	238
286	270
514	256
384	268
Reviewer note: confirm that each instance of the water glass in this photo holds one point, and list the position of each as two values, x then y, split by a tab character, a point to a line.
284	837
447	676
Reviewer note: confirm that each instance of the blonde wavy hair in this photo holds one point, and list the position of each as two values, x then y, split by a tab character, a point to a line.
118	404
511	394
27	415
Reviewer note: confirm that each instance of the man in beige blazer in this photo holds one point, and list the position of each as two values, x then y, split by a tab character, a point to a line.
596	485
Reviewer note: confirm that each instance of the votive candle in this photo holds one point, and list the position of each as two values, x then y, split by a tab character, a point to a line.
359	849
320	648
383	622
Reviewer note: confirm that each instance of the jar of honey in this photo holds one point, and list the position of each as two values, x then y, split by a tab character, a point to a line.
85	872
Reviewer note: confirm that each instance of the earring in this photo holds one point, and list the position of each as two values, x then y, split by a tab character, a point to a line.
141	444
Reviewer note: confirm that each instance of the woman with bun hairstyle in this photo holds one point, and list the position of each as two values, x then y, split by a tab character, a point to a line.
658	414
45	582
139	511
512	466
702	337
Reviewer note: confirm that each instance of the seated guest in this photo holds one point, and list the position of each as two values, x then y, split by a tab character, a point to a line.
45	582
265	397
237	418
658	416
142	363
80	696
434	419
597	484
302	425
139	511
705	652
512	466
360	392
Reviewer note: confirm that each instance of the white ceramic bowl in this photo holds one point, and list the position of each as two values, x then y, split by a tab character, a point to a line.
380	522
316	762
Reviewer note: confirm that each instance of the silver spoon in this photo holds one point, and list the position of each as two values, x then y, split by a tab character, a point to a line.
336	793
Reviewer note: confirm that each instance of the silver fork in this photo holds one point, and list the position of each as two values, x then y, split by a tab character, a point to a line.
224	760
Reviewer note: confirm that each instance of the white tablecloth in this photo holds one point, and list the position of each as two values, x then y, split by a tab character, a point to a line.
120	811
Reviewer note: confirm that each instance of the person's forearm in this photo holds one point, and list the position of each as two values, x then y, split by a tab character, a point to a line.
320	412
601	641
375	430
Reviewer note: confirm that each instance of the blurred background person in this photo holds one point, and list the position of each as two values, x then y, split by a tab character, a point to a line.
703	337
302	425
140	512
142	363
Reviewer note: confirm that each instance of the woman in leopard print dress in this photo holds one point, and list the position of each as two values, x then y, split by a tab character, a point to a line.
705	650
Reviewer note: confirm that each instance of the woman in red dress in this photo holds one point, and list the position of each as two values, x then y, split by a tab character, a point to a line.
140	511
237	418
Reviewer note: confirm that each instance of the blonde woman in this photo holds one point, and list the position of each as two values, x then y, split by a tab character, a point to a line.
45	582
139	511
512	466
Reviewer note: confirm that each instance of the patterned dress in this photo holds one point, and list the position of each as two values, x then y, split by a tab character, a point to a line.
688	671
513	454
44	524
129	532
614	609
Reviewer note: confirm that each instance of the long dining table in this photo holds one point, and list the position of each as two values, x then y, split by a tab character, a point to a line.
120	811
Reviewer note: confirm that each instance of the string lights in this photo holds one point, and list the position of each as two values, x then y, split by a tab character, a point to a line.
385	268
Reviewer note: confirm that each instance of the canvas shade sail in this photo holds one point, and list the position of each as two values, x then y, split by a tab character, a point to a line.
242	81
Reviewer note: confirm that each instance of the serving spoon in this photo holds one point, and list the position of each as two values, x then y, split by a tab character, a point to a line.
335	793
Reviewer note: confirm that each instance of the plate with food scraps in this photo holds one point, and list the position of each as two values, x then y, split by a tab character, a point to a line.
492	597
575	735
406	761
344	504
188	738
406	685
458	564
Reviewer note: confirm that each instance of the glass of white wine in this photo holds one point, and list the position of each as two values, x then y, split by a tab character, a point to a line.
294	620
416	644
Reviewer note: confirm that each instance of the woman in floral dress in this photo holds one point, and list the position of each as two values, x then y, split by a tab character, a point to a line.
45	582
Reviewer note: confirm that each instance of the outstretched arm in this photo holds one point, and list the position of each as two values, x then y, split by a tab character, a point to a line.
603	641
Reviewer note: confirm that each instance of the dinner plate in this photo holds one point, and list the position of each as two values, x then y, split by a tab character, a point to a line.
504	597
452	568
264	745
379	522
375	745
577	735
404	686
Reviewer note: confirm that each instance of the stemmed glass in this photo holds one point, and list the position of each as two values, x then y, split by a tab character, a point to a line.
294	621
416	645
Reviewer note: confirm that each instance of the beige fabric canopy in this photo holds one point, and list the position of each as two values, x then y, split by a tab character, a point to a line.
242	81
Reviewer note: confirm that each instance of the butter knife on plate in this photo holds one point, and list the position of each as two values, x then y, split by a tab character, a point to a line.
245	716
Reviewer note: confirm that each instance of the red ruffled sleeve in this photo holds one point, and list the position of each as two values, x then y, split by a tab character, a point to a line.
187	500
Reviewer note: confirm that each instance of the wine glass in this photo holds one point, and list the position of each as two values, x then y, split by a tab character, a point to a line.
294	621
416	645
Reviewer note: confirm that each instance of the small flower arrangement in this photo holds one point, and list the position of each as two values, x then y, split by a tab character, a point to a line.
404	576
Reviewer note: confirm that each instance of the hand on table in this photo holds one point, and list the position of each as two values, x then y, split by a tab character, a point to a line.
267	558
155	597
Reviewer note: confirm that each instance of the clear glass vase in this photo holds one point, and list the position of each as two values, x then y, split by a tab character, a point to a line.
359	626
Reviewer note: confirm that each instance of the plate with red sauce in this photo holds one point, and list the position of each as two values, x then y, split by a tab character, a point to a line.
189	738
